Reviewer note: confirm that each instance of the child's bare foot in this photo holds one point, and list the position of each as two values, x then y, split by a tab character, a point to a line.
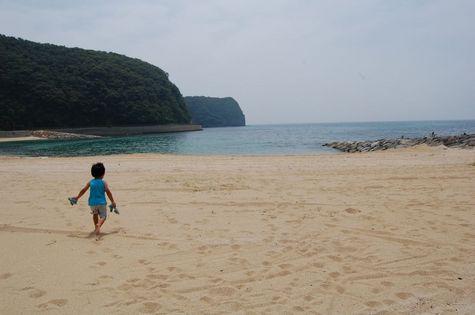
98	234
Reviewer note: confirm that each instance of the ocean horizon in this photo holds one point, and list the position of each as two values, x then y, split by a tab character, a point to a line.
263	139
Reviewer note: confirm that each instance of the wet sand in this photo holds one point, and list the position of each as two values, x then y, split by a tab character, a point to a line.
385	232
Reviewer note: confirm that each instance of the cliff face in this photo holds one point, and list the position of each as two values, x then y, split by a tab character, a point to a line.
214	111
43	85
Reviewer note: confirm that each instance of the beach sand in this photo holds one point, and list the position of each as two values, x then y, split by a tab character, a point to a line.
385	232
27	138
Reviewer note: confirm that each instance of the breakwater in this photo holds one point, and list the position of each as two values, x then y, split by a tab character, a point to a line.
459	141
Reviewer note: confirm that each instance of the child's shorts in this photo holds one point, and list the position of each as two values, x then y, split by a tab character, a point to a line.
101	210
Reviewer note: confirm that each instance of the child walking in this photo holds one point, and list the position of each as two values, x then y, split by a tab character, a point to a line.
97	199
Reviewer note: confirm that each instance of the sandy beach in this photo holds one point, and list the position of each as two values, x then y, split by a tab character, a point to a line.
367	233
13	139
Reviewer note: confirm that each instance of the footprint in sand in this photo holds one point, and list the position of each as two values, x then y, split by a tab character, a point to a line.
216	280
375	290
143	262
207	299
133	280
150	307
340	289
285	266
172	246
36	293
347	269
5	275
372	303
404	295
56	302
352	210
185	276
202	248
335	258
223	291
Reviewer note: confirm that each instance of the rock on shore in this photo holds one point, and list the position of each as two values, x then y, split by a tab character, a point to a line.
459	141
48	134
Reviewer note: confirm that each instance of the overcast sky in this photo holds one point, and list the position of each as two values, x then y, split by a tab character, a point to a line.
284	61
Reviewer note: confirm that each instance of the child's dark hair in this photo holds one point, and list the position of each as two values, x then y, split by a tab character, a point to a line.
98	170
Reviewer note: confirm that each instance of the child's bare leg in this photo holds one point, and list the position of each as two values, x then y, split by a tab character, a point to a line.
95	218
99	224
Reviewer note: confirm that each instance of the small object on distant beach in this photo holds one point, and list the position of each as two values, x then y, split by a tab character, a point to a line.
72	201
114	209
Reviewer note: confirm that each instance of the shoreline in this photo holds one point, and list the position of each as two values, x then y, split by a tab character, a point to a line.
416	148
422	148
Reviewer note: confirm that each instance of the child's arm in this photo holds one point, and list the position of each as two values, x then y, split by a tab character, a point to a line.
83	191
109	194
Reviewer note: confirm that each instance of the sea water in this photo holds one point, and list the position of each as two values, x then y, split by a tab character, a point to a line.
281	139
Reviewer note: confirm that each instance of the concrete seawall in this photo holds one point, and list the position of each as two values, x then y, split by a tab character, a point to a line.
130	130
15	133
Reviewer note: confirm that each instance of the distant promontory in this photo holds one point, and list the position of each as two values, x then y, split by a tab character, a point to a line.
215	111
49	86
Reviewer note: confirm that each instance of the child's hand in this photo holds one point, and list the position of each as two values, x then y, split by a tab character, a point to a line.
113	204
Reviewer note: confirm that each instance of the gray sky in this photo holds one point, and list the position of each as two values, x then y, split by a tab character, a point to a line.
284	61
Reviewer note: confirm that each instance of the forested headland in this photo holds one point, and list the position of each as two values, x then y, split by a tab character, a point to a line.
215	111
50	86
